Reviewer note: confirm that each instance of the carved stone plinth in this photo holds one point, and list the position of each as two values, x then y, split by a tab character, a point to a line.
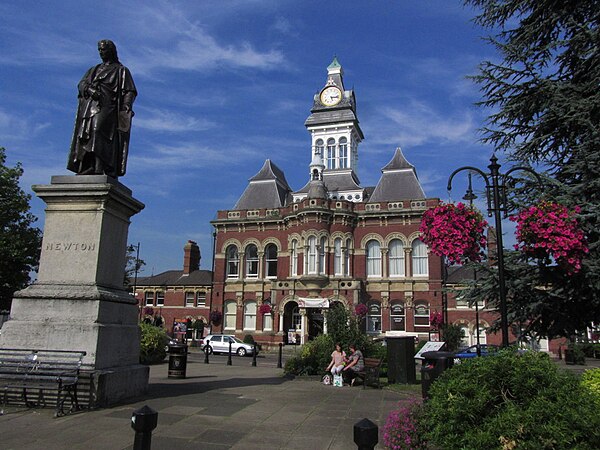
78	301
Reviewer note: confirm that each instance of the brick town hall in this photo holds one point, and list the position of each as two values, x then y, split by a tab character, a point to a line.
332	242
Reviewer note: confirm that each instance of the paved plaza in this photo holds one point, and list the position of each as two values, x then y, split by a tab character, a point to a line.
215	407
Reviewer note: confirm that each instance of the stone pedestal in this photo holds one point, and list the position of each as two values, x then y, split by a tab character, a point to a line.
78	301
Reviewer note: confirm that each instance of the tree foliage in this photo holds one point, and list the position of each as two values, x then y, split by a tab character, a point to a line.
545	102
20	242
133	265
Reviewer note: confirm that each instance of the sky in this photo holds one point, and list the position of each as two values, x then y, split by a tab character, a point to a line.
224	85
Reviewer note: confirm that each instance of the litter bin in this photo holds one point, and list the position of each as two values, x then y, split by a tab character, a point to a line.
401	359
177	360
433	364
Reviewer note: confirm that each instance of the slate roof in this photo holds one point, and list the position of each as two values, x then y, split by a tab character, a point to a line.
267	189
336	181
177	278
398	181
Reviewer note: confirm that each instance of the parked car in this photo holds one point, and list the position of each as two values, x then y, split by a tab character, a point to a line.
471	352
219	343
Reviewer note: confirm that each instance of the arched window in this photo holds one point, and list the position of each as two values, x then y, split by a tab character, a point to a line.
271	261
322	256
396	256
311	261
267	318
347	257
233	262
343	153
338	263
331	153
294	258
397	317
373	259
374	318
230	315
251	261
250	316
420	261
422	314
319	147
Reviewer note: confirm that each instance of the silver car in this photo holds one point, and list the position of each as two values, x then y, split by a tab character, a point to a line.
219	343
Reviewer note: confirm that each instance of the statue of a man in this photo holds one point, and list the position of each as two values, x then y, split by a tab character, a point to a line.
103	123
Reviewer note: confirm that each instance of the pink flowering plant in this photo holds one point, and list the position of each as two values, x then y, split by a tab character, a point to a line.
454	231
265	308
360	309
550	231
436	320
401	429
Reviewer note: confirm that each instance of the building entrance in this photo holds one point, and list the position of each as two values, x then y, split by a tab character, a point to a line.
316	322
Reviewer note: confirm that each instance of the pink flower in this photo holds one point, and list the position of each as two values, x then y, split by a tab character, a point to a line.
360	309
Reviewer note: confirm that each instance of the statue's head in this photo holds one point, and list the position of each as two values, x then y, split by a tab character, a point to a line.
107	50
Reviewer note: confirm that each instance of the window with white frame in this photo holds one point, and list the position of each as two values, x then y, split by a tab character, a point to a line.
271	261
190	298
230	315
420	260
373	259
250	316
160	298
267	319
421	314
373	317
331	153
338	263
311	261
233	262
347	257
149	296
251	261
343	153
396	258
294	257
397	317
201	299
323	255
319	147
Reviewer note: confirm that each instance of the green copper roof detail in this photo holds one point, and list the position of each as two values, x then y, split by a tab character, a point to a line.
335	64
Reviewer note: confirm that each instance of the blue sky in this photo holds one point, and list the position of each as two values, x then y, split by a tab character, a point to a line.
224	85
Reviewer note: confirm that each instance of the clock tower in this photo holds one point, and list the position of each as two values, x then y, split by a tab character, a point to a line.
335	135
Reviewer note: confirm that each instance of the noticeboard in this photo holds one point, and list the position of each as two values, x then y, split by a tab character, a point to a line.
429	346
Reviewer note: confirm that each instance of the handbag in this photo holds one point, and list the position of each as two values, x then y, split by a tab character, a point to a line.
337	380
326	379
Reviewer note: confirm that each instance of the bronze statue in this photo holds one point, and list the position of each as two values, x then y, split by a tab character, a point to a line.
103	123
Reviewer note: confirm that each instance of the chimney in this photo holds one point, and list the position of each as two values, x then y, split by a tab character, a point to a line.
191	257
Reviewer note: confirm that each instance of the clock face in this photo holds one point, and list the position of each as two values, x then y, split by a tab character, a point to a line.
331	96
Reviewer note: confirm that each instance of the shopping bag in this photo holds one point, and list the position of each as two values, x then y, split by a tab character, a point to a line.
337	381
326	379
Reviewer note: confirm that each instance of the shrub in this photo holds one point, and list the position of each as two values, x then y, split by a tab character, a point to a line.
401	430
248	339
591	381
452	335
293	365
152	344
510	401
316	354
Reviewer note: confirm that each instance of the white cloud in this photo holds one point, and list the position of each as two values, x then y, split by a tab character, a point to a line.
169	121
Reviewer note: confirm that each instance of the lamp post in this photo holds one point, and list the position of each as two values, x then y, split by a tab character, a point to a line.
495	192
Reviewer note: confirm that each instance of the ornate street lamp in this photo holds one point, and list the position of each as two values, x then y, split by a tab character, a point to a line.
495	190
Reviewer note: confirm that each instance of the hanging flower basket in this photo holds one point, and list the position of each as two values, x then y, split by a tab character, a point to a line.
215	317
550	231
265	308
360	309
454	231
148	311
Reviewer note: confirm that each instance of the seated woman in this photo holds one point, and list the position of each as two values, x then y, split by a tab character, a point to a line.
355	364
337	360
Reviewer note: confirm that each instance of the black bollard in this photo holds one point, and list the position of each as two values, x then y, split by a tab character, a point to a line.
366	434
206	353
254	356
143	421
279	365
229	355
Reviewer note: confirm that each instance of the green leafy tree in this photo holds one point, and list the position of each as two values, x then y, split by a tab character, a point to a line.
20	242
543	91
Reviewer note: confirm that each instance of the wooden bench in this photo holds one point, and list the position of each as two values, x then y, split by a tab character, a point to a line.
51	372
370	372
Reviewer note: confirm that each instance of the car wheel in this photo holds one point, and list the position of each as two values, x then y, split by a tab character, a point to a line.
241	351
